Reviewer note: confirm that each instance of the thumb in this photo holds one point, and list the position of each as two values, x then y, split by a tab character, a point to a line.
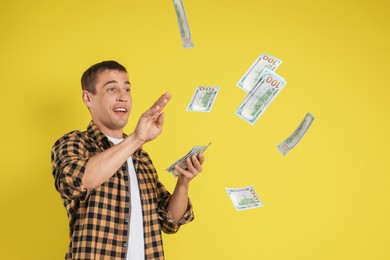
160	119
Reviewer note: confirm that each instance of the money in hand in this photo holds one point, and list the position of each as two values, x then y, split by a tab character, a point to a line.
183	24
182	161
259	98
203	99
252	76
244	198
295	137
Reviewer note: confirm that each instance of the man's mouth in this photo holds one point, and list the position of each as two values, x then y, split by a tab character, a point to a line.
120	109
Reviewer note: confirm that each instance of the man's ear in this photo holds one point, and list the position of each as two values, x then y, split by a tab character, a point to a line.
87	98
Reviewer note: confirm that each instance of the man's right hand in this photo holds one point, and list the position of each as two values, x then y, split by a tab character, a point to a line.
150	123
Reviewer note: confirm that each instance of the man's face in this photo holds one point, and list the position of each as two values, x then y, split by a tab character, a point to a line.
110	107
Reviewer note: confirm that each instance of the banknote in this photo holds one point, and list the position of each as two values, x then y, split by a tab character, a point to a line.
260	97
297	135
244	198
252	76
183	24
203	99
182	161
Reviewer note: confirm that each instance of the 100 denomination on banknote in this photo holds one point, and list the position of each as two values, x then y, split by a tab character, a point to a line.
182	161
260	97
203	99
244	198
252	76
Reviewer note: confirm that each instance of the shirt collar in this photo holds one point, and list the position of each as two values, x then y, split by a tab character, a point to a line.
102	140
97	135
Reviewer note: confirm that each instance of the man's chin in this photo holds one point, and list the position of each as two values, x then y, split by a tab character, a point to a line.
120	125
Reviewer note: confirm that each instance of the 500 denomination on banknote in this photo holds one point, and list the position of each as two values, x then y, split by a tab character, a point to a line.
244	198
259	98
297	135
252	76
182	161
203	99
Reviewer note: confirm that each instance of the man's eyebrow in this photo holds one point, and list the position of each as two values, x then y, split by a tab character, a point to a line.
114	81
109	82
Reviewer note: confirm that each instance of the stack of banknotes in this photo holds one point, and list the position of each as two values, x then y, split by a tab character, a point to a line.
182	162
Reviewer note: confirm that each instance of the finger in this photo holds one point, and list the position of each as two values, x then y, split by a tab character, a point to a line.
183	172
151	113
160	119
196	164
190	165
201	158
162	101
154	111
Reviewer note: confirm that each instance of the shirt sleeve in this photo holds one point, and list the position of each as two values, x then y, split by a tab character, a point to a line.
168	224
69	160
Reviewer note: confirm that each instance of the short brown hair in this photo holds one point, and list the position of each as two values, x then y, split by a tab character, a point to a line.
88	79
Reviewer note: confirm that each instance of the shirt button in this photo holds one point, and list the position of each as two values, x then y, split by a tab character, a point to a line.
124	244
126	220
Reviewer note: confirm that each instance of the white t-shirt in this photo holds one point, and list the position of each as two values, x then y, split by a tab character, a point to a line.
135	249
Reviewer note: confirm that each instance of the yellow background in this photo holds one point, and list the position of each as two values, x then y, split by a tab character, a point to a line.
327	199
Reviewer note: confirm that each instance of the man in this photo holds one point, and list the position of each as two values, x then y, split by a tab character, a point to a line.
115	202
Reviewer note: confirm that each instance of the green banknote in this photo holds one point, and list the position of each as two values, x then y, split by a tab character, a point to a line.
244	198
183	24
182	161
260	97
203	99
297	135
252	76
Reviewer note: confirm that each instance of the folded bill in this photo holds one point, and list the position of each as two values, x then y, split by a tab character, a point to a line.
252	76
203	99
259	98
244	198
183	24
182	161
297	135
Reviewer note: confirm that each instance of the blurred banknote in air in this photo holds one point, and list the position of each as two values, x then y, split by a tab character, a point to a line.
183	24
244	198
203	99
297	135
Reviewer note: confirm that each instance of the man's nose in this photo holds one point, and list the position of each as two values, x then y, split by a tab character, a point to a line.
122	97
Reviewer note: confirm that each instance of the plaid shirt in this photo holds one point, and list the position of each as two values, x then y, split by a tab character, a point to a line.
99	218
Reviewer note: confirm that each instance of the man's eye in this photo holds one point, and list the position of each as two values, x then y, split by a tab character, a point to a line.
110	89
128	90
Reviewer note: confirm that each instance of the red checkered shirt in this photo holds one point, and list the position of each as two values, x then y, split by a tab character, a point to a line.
99	218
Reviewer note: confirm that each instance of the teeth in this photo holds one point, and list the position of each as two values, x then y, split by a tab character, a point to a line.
119	110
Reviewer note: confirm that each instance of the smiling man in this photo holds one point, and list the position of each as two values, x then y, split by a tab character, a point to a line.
116	205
